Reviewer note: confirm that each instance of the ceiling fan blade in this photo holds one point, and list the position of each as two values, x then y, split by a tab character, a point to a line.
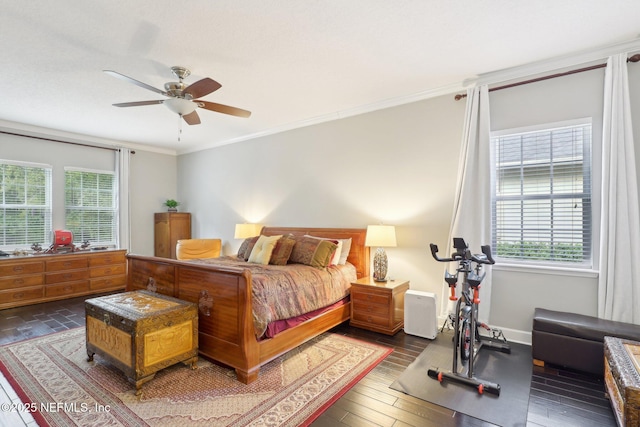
202	88
192	118
138	103
225	109
135	82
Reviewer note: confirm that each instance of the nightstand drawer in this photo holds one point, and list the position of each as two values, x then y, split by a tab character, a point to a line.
369	298
371	309
370	319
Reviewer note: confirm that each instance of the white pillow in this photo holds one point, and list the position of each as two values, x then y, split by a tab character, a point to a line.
261	252
346	248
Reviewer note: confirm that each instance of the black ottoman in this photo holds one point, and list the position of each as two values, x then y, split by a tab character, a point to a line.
575	341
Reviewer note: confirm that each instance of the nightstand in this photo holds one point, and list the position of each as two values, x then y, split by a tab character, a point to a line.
378	306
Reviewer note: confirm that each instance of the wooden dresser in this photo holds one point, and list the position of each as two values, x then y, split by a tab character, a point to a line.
378	306
39	278
169	227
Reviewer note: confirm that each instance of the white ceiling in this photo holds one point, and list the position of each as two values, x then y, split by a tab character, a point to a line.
290	62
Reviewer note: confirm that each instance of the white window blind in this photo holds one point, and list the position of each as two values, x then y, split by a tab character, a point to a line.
25	204
542	195
90	206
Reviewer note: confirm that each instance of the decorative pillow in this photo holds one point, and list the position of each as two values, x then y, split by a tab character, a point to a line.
282	251
342	253
336	255
314	252
246	247
261	252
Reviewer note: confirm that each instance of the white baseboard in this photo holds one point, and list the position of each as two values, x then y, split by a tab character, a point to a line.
512	335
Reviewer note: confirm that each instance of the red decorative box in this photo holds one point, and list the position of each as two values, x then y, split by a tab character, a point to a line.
62	237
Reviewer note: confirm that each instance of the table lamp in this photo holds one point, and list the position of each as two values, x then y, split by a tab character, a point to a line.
380	236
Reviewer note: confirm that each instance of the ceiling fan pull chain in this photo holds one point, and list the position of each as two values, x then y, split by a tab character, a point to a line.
179	126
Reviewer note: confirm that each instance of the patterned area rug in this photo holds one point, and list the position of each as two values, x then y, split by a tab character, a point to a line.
53	378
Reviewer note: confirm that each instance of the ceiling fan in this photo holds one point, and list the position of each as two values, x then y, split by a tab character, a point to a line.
182	98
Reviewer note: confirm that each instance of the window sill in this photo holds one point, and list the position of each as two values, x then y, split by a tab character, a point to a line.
545	269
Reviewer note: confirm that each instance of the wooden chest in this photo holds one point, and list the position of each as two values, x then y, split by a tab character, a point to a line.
141	332
622	379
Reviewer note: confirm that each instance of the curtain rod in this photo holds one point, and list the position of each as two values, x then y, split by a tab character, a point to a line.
634	58
62	142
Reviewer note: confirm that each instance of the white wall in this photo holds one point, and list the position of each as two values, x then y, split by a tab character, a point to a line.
153	180
396	165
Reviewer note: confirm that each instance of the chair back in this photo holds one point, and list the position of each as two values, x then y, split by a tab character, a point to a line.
198	248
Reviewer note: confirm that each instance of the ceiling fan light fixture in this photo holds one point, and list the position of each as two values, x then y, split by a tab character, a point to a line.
180	105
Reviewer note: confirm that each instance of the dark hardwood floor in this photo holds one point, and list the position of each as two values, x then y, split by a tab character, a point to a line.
558	397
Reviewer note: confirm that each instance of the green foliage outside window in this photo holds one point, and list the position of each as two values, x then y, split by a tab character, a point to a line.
566	252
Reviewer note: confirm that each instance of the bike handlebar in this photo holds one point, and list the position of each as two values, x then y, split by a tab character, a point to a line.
484	258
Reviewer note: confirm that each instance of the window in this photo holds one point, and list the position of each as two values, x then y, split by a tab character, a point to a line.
542	194
90	206
25	204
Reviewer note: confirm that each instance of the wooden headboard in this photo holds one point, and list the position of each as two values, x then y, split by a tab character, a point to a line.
359	253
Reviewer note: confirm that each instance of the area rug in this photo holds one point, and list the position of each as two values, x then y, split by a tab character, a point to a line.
60	387
511	371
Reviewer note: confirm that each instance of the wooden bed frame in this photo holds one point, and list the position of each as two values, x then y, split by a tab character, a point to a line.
225	323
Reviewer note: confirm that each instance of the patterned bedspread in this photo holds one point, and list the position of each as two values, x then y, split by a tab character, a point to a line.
282	292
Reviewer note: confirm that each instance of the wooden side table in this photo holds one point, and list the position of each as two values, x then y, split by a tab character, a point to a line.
378	306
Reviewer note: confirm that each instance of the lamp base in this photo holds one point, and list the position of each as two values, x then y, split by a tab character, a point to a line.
380	266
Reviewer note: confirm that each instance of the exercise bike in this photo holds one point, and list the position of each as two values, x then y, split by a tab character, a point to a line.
464	320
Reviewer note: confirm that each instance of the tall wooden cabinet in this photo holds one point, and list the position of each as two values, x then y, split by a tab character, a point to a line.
169	227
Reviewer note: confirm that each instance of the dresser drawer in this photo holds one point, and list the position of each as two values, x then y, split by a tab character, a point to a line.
24	294
107	259
16	268
108	283
107	270
66	289
73	263
21	281
371	298
66	276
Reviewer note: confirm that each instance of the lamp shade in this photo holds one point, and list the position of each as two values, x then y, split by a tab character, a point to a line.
244	231
381	236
